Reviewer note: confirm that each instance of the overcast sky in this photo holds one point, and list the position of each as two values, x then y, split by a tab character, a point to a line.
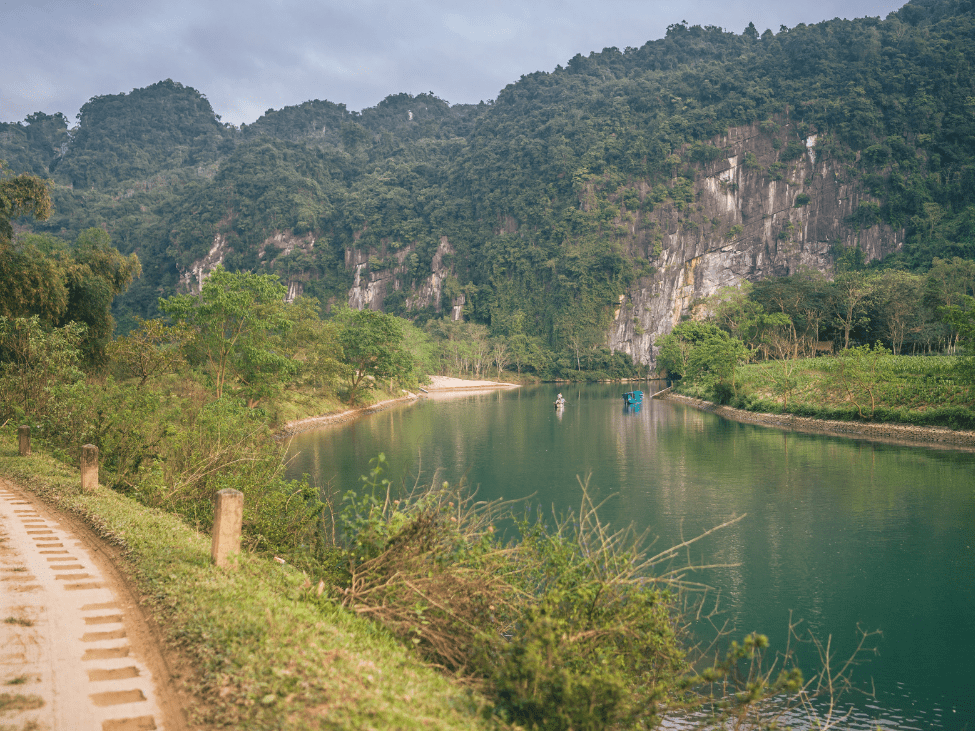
247	56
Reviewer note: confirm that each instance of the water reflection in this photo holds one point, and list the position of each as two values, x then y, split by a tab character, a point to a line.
838	532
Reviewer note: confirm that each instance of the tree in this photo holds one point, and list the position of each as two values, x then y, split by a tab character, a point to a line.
313	345
34	283
34	359
480	348
851	292
946	284
372	348
237	322
675	348
22	195
897	295
44	276
150	350
961	317
859	373
500	355
714	362
96	274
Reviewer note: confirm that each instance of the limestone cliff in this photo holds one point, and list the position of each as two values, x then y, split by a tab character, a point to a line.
762	208
278	245
751	218
191	280
380	273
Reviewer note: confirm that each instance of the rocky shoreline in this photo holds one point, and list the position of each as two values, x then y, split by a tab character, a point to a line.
892	433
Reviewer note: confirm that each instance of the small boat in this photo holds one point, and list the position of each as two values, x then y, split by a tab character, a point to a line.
633	397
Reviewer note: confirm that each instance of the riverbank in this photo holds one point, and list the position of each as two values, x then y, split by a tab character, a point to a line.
449	383
252	648
438	384
314	422
886	432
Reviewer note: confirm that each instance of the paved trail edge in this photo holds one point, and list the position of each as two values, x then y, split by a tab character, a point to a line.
74	649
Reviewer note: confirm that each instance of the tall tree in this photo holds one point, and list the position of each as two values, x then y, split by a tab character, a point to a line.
371	349
851	292
897	295
96	274
21	195
237	321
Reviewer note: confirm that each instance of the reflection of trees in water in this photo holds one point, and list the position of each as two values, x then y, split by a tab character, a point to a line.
840	531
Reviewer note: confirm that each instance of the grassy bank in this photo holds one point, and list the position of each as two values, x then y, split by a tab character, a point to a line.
267	651
295	404
868	387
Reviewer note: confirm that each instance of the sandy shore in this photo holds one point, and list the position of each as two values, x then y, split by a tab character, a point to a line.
438	385
446	383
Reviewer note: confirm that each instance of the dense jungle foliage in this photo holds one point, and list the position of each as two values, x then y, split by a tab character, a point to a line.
531	188
566	625
757	346
532	191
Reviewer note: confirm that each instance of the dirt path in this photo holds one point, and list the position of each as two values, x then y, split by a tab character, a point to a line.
75	650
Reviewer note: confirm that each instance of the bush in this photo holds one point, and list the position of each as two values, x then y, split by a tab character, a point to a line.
568	625
565	625
223	444
793	151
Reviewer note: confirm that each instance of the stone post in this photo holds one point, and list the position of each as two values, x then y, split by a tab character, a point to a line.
227	520
89	468
24	433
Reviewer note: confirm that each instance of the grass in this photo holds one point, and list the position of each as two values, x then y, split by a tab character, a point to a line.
19	621
295	404
915	383
16	702
917	390
267	651
21	680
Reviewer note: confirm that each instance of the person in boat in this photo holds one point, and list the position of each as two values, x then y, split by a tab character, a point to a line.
560	401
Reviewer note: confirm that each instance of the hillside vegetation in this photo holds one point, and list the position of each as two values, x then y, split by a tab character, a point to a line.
187	293
536	190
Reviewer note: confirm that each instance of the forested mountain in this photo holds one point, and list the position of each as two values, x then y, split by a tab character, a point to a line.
591	204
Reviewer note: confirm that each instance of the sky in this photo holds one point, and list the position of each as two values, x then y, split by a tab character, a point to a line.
248	57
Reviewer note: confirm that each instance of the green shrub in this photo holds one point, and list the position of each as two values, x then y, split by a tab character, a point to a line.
793	151
568	625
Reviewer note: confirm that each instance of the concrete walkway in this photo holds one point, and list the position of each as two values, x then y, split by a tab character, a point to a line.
72	641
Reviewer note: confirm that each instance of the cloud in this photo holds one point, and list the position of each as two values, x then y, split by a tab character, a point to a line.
248	57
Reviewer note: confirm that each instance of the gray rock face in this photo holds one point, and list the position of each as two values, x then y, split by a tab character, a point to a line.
372	285
743	225
746	222
191	280
280	244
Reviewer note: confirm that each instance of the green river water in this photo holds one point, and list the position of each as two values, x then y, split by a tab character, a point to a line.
843	533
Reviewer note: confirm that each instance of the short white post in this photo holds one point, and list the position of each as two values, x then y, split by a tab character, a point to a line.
89	468
227	520
23	432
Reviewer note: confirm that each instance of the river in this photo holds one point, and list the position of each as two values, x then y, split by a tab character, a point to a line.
842	533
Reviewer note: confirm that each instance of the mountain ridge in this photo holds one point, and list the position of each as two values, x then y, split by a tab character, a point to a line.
546	196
